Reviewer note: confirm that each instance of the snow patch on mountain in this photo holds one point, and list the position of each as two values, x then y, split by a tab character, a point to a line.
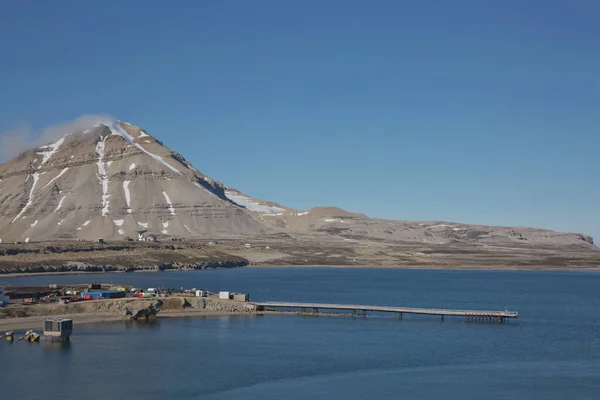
86	223
50	150
36	178
127	195
102	176
171	209
60	204
56	177
251	204
117	130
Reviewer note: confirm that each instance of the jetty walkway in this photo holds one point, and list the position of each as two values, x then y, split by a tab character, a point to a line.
472	315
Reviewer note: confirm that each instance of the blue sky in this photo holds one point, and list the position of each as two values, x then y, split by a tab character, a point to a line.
470	111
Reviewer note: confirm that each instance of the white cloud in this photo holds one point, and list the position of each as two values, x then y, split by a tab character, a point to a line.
15	141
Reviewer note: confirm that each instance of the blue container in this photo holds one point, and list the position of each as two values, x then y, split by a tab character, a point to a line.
104	294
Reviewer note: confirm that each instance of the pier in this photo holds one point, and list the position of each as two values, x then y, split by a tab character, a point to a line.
470	315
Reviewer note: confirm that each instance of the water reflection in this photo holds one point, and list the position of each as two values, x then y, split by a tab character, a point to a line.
55	347
142	324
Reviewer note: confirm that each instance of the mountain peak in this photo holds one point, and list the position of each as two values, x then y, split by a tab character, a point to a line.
108	180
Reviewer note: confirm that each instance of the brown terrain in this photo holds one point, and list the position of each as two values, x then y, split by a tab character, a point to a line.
116	182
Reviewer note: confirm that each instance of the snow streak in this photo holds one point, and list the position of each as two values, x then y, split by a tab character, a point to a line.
50	150
127	195
102	176
117	130
169	202
55	178
60	204
36	178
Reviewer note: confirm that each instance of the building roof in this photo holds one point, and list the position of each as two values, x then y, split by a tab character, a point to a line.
56	319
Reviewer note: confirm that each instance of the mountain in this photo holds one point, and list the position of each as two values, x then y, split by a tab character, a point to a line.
114	180
109	182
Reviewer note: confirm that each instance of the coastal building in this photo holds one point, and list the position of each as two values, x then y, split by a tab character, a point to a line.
241	297
58	328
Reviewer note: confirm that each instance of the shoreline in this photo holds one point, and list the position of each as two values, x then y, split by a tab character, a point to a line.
441	267
341	266
35	323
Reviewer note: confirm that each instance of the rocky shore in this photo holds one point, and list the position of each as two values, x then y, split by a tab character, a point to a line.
32	316
76	267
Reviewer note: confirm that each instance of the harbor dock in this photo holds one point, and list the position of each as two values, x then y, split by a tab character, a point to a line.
471	315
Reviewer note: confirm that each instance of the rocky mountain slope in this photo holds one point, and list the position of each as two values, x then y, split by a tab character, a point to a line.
110	182
114	179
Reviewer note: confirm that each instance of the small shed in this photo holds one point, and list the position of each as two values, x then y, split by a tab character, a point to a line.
224	295
100	240
58	328
150	238
241	297
200	293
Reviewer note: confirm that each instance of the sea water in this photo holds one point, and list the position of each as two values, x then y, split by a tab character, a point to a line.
551	352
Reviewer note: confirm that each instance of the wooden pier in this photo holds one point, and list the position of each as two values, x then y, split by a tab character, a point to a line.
471	315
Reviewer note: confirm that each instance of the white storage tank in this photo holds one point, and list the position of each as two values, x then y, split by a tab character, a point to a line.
224	295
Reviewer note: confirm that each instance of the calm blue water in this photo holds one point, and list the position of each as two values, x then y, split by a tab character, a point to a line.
552	352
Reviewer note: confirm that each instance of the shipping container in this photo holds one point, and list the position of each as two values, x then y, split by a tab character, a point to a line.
103	294
224	295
